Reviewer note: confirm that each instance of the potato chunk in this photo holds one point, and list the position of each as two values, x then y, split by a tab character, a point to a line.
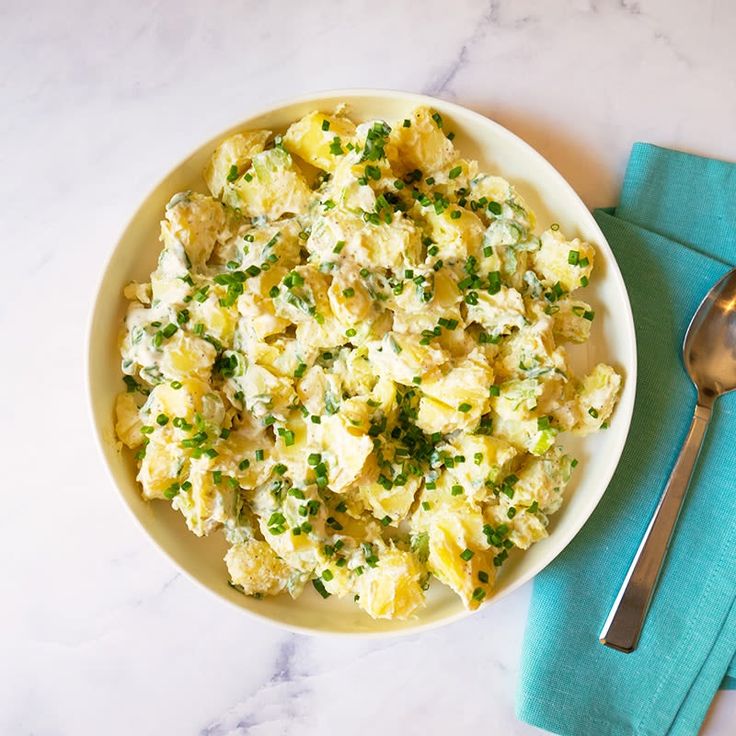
256	568
232	157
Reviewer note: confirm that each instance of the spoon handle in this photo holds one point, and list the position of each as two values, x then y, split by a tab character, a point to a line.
626	619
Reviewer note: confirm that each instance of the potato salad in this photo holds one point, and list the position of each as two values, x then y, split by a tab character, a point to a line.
350	360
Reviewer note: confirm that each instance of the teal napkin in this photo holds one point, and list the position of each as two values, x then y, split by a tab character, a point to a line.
674	236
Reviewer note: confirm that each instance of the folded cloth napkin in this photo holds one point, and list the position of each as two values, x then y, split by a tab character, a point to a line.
674	236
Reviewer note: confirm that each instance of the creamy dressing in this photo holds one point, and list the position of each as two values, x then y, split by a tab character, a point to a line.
350	360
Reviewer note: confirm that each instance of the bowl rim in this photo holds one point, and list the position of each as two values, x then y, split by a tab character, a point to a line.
624	412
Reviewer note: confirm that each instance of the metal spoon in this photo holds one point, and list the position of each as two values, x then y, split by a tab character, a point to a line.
709	353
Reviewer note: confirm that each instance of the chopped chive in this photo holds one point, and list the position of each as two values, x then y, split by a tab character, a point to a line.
320	588
573	257
494	282
467	554
172	491
131	384
455	172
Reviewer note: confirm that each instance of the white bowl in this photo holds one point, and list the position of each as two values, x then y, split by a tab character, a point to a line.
613	341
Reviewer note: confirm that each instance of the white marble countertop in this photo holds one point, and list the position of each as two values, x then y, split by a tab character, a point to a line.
98	633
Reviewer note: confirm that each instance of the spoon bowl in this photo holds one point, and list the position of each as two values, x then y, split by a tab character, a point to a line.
709	350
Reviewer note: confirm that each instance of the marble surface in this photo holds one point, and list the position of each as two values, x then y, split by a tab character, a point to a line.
98	633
